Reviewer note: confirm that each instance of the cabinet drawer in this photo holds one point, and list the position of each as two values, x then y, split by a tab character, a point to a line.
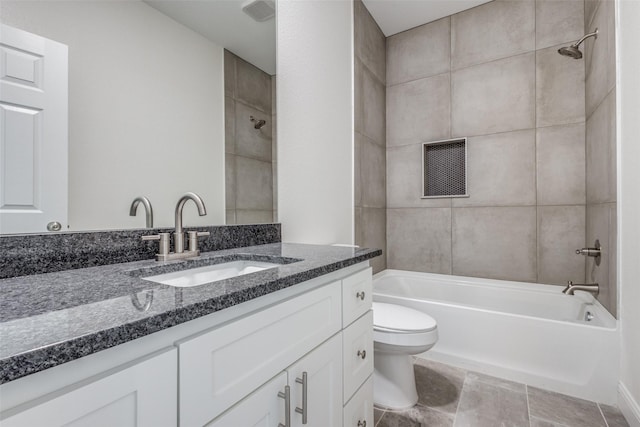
140	393
220	367
357	354
356	296
358	412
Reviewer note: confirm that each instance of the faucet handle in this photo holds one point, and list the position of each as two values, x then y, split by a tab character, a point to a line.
193	238
164	241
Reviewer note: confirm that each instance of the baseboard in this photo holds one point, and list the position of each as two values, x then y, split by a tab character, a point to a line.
629	407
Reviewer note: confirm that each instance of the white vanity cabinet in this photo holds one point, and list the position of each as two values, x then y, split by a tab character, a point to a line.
141	393
302	356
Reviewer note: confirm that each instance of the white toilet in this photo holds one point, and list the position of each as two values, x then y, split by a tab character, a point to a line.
398	333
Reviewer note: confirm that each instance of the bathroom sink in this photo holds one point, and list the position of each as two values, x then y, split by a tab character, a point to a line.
210	273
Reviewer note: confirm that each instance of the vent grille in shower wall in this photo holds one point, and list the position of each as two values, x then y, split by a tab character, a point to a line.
444	168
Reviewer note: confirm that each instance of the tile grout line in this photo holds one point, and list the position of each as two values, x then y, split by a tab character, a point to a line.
526	392
606	423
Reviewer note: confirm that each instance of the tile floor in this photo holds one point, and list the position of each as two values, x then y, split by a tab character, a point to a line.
450	396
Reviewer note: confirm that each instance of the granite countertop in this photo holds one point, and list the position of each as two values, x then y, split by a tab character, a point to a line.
52	318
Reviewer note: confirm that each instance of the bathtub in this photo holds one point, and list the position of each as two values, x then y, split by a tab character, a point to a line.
524	332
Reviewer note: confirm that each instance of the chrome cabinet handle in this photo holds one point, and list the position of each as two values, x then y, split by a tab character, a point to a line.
362	423
303	411
360	295
287	406
362	353
54	226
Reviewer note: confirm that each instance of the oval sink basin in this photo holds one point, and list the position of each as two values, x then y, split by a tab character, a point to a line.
210	273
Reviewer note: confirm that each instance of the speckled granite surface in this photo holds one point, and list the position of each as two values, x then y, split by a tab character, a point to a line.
26	254
49	319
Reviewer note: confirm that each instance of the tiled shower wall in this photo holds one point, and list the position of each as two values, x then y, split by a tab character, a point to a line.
600	68
249	168
370	140
492	74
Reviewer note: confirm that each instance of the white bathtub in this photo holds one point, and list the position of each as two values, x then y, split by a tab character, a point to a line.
523	332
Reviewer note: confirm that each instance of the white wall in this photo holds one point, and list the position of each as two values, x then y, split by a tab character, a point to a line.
145	110
629	204
315	120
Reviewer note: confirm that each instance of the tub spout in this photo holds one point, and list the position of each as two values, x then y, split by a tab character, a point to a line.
594	288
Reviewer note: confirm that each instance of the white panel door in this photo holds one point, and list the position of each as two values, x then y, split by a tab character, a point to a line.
323	369
143	393
33	132
263	408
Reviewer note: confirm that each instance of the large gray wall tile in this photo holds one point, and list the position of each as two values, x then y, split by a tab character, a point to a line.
418	111
559	88
599	56
252	142
495	97
358	95
229	125
374	108
254	216
497	243
420	52
229	74
373	234
601	152
404	179
561	230
230	181
253	86
558	21
358	142
419	239
369	41
373	174
501	170
254	183
560	158
600	225
494	30
612	281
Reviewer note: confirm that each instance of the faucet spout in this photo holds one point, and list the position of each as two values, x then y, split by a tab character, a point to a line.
179	233
594	288
147	208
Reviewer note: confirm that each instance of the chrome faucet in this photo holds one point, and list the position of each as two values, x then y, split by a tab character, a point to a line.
147	208
594	288
178	235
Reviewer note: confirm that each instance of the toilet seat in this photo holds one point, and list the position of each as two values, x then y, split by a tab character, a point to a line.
403	326
400	319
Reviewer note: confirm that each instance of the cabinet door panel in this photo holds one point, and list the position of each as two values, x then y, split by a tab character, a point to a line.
262	408
358	353
357	293
359	411
324	393
220	367
139	394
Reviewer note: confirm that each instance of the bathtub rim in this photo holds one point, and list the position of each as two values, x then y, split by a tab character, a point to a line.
608	320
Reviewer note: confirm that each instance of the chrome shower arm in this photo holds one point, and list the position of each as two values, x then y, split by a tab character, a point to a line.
579	42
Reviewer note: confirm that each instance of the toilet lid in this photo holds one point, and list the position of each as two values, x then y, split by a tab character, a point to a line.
393	317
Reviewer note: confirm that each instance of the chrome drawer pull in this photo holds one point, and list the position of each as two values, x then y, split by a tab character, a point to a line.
360	295
362	423
303	411
287	406
362	354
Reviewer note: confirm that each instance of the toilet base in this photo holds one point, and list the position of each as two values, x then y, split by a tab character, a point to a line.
394	382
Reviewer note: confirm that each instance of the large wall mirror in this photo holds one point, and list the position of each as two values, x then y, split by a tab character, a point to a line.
163	97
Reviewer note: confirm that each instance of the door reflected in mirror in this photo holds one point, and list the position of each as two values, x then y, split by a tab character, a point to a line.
148	91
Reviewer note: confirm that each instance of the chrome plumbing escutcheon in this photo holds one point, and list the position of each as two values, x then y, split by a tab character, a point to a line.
595	252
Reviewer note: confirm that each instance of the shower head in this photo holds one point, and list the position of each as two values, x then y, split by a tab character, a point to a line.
573	50
257	124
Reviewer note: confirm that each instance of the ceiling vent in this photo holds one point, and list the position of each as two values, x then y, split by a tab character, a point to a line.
260	10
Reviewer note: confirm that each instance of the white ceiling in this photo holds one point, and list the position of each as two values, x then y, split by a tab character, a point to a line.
395	16
224	23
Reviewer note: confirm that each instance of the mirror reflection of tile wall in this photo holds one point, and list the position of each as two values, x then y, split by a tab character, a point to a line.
249	152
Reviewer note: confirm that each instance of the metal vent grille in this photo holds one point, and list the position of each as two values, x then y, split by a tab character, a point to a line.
444	167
